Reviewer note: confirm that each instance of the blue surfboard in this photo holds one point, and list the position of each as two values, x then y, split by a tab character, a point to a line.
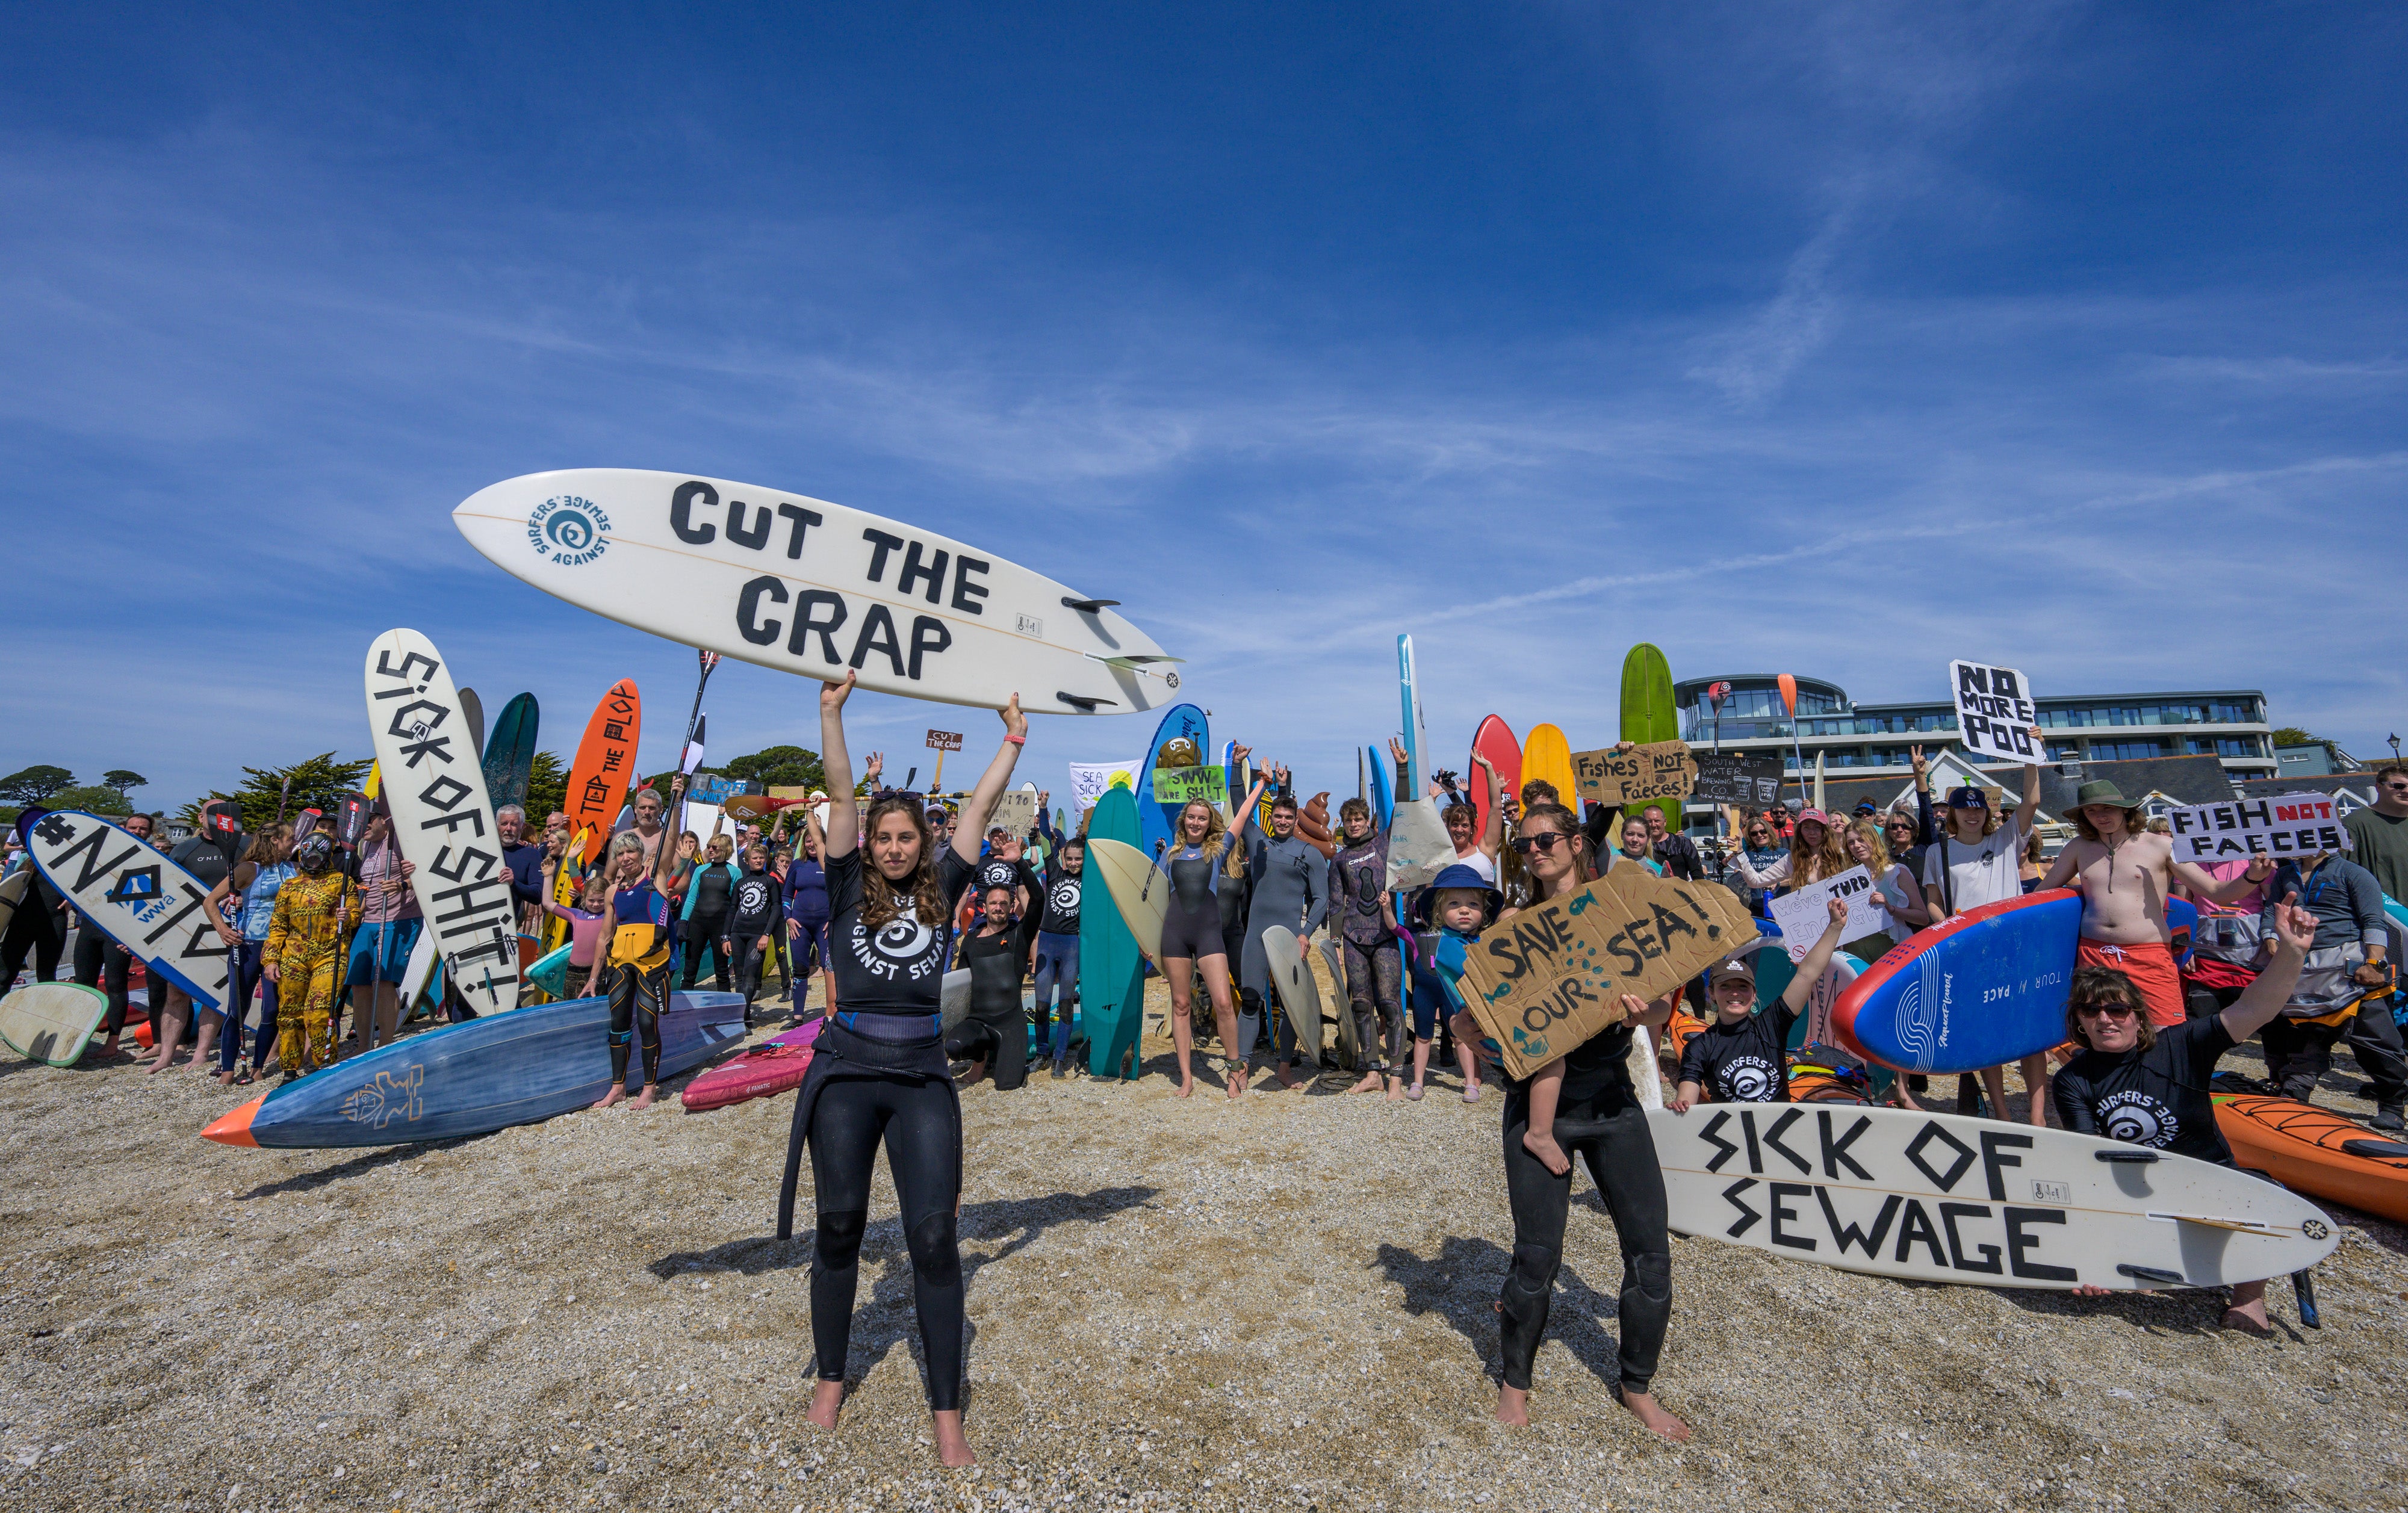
474	1077
1181	722
1980	990
1409	690
1384	788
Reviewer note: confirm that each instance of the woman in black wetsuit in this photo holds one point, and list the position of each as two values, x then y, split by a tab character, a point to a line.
1598	1120
1201	865
880	1074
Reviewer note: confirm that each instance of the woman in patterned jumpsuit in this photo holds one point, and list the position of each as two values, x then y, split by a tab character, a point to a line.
307	938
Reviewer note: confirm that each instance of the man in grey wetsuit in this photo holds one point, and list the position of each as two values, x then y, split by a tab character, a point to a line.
1289	887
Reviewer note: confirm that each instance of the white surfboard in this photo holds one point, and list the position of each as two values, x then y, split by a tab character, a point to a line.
418	972
1299	995
50	1021
1138	889
442	818
137	896
804	586
952	999
1646	1076
12	892
1943	1198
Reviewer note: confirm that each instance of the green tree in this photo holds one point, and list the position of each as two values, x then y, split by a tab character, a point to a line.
2294	735
94	799
120	780
780	766
34	784
547	788
318	783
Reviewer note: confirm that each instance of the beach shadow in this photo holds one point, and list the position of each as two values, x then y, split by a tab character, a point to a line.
887	1316
359	1166
1461	1285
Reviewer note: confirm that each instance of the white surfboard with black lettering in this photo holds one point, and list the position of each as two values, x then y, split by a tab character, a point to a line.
443	818
1942	1198
138	898
787	581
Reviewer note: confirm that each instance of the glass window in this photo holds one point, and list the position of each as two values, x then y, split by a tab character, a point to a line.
2125	751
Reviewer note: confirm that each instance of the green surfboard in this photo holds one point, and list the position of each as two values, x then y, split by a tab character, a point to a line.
1647	711
508	757
1112	972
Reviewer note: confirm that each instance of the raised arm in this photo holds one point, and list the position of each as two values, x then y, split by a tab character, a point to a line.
1492	841
2031	784
1817	961
844	810
970	829
2294	930
665	867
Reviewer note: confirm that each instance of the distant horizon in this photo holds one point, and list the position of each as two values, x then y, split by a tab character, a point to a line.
1843	340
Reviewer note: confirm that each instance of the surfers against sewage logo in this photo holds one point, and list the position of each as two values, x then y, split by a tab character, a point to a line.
567	531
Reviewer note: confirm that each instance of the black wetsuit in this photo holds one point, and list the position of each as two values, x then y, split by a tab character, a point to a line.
880	1075
754	909
1599	1120
1200	889
996	1030
707	922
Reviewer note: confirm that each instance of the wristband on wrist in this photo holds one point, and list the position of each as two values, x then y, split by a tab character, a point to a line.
1017	740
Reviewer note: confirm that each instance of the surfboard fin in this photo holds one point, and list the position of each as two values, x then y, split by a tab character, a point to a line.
1084	705
2150	1273
1088	607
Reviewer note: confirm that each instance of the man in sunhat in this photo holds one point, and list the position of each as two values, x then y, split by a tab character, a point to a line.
2125	873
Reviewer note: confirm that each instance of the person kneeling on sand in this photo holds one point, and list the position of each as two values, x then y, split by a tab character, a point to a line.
2143	1084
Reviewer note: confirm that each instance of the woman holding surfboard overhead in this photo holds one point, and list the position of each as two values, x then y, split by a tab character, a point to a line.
880	1073
1201	865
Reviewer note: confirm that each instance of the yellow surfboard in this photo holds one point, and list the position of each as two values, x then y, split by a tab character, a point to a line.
1546	755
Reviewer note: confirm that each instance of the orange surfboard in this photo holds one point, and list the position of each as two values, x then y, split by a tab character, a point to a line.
605	767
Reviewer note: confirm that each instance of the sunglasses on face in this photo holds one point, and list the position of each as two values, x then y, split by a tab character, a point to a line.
1546	840
2112	1011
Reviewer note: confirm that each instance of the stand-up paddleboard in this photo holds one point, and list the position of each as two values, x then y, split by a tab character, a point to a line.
1299	995
135	896
1648	713
1981	989
507	759
473	710
2313	1150
1944	1198
51	1021
1138	890
475	1076
1179	741
12	892
1416	738
1494	740
1112	972
812	588
604	765
1384	788
443	818
1547	756
777	1065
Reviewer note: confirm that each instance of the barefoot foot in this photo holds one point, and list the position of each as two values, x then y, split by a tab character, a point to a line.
644	1099
618	1090
952	1446
1278	1069
1544	1148
1654	1415
1370	1083
826	1397
1514	1407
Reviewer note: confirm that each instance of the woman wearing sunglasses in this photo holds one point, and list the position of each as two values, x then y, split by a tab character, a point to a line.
2146	1084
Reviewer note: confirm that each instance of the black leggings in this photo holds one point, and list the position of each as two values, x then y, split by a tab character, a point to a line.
702	930
637	999
921	1124
99	963
34	930
1622	1160
749	959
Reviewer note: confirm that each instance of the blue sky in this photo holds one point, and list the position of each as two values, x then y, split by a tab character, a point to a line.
1837	339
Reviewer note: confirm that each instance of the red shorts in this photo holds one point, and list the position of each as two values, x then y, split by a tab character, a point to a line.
2152	969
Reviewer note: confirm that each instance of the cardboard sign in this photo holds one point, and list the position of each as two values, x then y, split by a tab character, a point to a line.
1994	709
1015	809
1805	912
944	740
2289	824
1182	785
1736	777
1550	979
1660	772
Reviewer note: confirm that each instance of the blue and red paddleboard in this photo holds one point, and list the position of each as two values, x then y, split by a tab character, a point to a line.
473	1078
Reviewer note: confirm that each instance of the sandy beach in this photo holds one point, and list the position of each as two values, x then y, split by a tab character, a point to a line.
1286	1303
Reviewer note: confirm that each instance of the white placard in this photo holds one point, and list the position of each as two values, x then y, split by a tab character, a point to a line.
1804	914
1994	713
1089	780
1419	848
2287	825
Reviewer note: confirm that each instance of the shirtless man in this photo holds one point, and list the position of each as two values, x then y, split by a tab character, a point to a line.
649	809
2125	874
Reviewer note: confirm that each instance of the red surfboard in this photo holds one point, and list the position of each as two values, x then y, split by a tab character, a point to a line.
1494	740
775	1066
605	767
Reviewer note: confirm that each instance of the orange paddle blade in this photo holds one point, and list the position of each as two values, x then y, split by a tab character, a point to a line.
1789	694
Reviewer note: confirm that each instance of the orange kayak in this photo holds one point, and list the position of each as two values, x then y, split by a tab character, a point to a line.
2317	1152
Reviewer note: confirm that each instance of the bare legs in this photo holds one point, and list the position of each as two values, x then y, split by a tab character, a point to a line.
1179	972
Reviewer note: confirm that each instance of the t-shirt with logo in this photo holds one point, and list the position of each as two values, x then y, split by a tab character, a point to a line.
2157	1097
1061	913
1742	1062
1984	872
752	905
900	969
